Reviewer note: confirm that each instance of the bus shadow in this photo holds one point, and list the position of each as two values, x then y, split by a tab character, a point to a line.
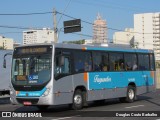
143	97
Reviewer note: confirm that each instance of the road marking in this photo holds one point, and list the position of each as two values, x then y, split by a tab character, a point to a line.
134	106
65	117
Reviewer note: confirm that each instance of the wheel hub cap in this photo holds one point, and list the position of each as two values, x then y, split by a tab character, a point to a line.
77	99
131	94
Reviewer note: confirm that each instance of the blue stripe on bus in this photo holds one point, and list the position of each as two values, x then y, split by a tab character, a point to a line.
109	80
31	93
121	50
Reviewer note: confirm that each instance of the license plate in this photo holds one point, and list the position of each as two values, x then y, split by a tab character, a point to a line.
27	103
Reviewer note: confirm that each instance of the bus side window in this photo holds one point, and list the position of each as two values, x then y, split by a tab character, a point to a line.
130	61
79	65
115	60
143	60
152	66
82	61
97	61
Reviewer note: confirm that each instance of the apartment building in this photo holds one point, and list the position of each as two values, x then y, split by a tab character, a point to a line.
38	36
6	43
125	37
147	32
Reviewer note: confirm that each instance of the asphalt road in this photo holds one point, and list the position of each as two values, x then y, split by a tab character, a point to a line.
147	106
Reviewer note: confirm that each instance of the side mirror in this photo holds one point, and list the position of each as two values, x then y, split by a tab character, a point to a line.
4	59
4	63
61	61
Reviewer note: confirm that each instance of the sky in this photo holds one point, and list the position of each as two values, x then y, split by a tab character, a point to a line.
118	14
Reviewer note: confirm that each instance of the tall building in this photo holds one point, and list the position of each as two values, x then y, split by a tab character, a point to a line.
147	32
100	30
126	37
6	43
38	36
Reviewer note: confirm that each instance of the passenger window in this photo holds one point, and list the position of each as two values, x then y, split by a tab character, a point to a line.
105	62
116	61
143	61
146	62
130	62
100	61
97	60
82	61
152	66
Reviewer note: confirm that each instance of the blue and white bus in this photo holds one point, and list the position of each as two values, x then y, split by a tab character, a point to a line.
56	74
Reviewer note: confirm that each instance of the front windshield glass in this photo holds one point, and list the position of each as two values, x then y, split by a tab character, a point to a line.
31	69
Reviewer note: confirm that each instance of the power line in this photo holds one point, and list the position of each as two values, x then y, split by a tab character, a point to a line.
100	4
86	35
110	39
10	33
64	11
84	21
18	27
24	14
114	29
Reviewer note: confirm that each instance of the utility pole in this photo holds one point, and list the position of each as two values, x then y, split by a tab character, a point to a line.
55	26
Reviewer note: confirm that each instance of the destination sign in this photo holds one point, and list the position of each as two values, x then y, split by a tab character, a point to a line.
33	50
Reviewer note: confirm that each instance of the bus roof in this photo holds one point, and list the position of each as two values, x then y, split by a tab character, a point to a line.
103	48
110	47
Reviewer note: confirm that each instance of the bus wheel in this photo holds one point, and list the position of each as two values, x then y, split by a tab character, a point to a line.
130	94
77	100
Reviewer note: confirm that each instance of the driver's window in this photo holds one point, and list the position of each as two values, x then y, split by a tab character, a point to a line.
64	69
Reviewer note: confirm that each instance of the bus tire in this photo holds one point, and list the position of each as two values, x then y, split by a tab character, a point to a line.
131	94
77	100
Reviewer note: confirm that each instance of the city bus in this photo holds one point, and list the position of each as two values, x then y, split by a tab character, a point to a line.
57	74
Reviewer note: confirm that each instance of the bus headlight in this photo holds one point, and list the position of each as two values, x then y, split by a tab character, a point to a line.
46	92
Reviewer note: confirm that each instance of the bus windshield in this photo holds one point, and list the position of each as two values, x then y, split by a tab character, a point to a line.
31	69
